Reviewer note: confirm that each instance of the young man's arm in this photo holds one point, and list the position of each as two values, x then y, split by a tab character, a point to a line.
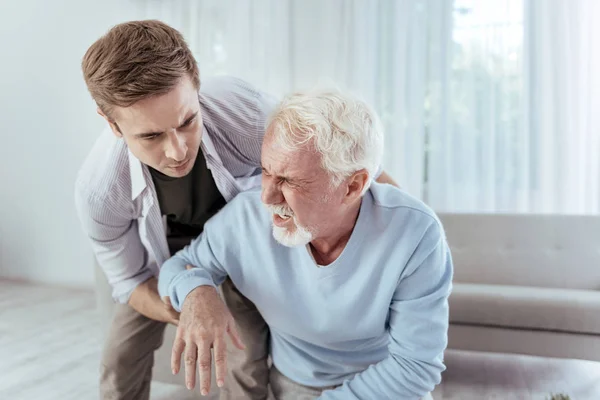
119	250
418	328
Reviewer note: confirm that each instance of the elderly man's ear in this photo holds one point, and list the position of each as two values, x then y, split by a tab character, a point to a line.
356	184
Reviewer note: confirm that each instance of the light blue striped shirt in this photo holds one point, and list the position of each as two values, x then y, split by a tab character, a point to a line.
115	196
376	319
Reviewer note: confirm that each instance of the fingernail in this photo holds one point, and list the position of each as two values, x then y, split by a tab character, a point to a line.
173	371
189	386
204	392
220	383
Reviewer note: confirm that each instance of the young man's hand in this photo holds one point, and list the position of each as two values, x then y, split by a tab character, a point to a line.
146	300
172	314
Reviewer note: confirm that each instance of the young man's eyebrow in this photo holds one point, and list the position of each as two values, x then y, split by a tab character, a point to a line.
187	121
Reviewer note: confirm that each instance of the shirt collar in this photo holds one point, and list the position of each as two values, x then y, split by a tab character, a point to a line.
136	171
208	146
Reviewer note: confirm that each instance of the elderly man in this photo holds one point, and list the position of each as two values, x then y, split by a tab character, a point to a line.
351	277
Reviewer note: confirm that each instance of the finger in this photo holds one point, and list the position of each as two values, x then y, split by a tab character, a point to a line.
191	354
188	267
219	351
166	300
204	364
178	347
235	337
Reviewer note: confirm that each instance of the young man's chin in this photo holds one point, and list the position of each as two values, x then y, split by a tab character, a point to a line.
178	172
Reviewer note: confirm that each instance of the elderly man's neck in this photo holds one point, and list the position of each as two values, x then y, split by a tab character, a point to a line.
328	248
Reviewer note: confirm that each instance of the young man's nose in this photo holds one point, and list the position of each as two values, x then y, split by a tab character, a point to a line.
176	148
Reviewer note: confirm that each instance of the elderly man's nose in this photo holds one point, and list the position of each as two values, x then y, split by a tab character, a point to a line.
271	194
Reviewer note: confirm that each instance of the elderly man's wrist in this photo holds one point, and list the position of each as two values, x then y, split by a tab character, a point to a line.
185	284
198	291
203	290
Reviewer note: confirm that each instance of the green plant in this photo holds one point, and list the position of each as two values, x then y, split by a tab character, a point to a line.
559	397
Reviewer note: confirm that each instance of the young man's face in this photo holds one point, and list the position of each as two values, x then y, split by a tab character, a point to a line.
163	132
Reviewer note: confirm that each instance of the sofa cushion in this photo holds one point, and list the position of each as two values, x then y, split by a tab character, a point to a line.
563	310
548	251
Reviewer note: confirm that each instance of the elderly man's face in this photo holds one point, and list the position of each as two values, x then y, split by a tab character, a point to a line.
297	190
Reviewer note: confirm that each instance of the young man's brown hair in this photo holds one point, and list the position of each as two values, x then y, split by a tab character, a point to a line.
136	60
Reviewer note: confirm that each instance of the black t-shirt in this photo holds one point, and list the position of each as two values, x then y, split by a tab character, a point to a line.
188	202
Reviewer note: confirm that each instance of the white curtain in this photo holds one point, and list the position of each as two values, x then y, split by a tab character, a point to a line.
488	106
476	134
514	116
563	82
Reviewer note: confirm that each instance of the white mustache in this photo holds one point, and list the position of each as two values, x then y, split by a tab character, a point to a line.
279	209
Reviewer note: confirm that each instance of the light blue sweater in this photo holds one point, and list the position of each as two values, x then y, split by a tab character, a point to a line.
375	320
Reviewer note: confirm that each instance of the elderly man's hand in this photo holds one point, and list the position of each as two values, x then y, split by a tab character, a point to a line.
203	323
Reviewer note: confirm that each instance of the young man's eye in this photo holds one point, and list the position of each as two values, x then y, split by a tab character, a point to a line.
151	137
188	122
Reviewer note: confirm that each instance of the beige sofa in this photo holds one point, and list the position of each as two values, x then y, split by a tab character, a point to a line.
523	284
527	284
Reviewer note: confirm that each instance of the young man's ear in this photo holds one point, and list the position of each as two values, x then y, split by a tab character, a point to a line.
356	184
113	125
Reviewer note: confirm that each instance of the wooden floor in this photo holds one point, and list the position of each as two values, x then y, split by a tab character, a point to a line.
49	350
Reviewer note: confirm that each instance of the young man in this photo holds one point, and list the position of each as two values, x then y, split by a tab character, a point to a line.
173	149
352	279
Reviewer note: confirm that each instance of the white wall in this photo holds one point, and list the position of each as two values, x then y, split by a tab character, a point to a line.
47	125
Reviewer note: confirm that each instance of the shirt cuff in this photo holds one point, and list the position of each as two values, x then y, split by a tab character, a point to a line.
184	284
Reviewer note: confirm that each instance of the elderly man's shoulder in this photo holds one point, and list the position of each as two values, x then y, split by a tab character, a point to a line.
247	207
397	205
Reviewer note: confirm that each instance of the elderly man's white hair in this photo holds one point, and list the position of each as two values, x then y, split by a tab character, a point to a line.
343	129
